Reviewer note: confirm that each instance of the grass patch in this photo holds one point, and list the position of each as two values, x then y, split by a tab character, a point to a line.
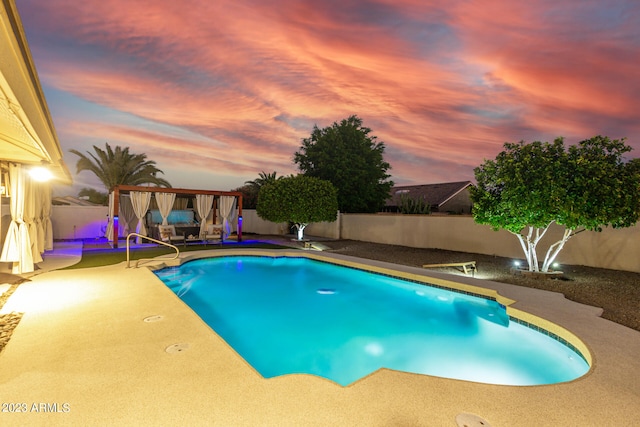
102	257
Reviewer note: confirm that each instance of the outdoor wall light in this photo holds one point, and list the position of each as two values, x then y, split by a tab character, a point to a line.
516	263
40	174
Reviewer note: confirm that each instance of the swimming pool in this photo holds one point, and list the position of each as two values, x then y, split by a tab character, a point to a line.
287	315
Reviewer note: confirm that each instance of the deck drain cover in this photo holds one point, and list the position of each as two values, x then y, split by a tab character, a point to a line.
177	348
153	318
471	420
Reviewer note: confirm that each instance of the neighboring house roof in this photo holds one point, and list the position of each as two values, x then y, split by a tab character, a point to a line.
435	195
71	201
27	134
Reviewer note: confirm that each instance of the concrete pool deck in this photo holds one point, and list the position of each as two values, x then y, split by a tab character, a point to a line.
83	354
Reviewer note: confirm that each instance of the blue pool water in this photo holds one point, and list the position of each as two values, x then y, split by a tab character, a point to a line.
296	315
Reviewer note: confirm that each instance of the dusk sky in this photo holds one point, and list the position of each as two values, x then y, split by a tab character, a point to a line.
217	91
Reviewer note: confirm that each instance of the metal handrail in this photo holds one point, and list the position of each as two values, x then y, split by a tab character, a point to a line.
153	240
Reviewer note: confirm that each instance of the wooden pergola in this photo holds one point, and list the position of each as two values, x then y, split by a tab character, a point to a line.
126	189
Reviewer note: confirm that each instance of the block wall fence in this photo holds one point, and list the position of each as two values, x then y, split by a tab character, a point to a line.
614	249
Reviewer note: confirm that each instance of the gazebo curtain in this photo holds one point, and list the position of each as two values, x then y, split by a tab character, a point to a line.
165	204
232	216
227	212
180	203
204	203
140	202
109	231
128	215
17	246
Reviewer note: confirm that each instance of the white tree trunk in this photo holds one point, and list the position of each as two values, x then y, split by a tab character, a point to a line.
300	229
529	244
555	249
525	247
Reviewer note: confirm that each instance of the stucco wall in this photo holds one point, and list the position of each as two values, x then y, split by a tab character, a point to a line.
87	222
330	230
611	248
614	249
252	223
78	222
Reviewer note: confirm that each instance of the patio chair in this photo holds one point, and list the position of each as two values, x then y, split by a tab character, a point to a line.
213	233
168	234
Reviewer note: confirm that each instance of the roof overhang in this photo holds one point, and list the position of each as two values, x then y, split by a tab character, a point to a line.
27	133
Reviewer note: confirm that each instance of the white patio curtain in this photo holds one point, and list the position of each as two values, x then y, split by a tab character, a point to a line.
109	231
227	212
128	220
232	217
40	199
204	203
165	204
46	217
180	204
140	201
17	246
30	203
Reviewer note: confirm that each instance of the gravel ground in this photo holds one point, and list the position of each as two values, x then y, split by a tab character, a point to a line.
617	292
8	321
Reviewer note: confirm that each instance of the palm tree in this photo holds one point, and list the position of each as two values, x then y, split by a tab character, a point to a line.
118	166
263	179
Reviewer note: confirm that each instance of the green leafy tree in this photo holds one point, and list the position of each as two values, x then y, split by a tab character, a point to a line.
528	187
95	196
350	158
299	200
120	167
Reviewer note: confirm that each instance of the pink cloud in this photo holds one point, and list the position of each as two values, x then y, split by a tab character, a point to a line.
556	59
442	83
